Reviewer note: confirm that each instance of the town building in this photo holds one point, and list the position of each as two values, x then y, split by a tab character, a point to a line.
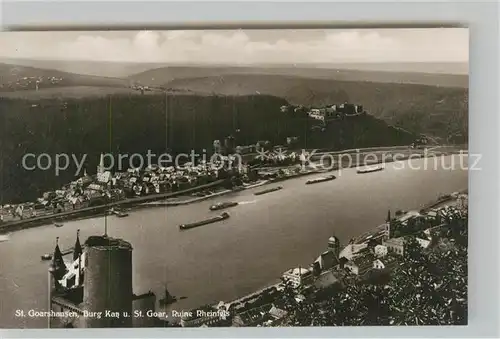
432	215
298	277
353	250
360	265
217	147
380	251
245	149
395	245
207	316
277	313
378	264
388	262
408	216
327	260
463	202
423	242
253	316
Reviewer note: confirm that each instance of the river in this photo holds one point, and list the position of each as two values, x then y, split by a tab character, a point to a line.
265	236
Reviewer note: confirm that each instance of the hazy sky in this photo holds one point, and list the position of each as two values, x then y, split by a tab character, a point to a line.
243	46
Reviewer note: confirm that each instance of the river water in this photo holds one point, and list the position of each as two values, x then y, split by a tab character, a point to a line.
265	236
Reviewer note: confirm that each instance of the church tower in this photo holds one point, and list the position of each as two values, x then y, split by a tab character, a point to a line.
77	255
334	245
58	268
100	167
388	225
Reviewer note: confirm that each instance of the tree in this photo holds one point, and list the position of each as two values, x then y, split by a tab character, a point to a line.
429	287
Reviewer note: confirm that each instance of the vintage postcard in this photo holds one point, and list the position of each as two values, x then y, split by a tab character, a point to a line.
201	178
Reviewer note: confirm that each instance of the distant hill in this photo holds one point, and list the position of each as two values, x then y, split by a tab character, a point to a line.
18	78
434	104
440	111
161	76
125	69
458	68
70	92
97	68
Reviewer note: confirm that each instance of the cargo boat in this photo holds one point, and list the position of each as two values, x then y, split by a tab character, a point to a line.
370	169
322	179
119	213
167	299
223	205
221	217
46	257
269	190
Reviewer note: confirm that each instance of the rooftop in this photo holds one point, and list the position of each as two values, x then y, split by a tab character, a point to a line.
409	215
105	241
297	271
365	260
395	241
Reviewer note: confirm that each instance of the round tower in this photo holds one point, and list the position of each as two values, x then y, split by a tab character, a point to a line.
108	282
334	245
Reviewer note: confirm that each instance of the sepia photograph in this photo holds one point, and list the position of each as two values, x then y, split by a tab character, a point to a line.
234	178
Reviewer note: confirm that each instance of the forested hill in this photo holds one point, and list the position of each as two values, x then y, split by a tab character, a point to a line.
162	75
20	78
438	111
127	124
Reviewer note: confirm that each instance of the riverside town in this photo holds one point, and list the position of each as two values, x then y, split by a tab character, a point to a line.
234	178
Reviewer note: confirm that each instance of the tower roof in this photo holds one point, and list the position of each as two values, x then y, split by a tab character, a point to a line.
333	239
58	265
77	252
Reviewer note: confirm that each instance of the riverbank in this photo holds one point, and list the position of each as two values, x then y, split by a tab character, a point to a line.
132	203
189	200
380	230
149	201
93	211
363	238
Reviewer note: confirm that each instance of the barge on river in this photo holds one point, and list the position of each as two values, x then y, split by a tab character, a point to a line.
223	205
322	179
221	217
370	169
118	212
269	190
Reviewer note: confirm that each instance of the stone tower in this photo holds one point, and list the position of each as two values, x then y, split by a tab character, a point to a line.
108	282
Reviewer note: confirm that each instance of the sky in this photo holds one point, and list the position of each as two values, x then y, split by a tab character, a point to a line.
243	46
